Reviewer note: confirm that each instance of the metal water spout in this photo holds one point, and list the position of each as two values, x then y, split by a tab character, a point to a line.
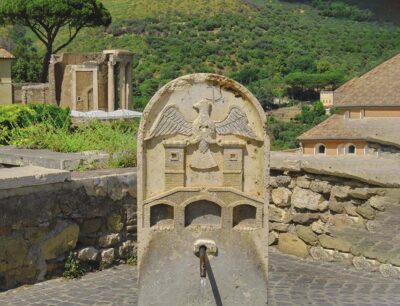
202	256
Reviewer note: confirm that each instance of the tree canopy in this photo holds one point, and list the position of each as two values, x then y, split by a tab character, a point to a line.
47	17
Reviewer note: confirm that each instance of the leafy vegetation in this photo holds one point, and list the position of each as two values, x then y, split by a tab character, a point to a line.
45	18
73	268
284	134
49	127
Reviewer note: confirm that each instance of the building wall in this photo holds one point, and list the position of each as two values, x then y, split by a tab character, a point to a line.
5	81
371	112
326	98
332	146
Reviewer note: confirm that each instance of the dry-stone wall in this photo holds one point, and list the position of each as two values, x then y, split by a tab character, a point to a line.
94	217
326	218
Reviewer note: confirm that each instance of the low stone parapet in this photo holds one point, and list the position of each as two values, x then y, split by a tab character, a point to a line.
92	215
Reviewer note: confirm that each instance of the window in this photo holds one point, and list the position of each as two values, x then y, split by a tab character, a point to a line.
320	149
233	157
351	149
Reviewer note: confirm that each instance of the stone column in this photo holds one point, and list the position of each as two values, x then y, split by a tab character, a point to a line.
111	86
128	86
122	79
95	89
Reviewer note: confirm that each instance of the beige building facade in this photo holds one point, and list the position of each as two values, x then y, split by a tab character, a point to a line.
6	93
367	120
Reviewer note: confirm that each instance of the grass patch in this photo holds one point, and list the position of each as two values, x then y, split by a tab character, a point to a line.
49	127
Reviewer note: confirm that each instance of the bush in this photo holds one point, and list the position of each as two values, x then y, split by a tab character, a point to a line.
49	127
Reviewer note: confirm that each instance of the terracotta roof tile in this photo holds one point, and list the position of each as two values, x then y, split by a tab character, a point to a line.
378	87
5	54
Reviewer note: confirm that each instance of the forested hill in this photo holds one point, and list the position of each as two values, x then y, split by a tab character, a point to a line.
273	47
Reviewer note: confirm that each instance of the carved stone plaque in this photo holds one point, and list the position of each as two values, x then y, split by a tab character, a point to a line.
202	173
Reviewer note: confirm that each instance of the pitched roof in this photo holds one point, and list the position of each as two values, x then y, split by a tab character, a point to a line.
378	87
380	130
5	54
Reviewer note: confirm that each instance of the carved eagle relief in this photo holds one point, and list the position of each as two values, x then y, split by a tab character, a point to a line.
202	130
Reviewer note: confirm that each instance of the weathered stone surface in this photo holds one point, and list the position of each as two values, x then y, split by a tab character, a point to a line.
378	202
109	240
281	196
107	257
336	207
323	206
350	209
319	227
18	177
376	253
360	193
373	226
88	254
340	192
114	223
305	218
343	258
272	238
334	243
13	253
306	234
127	249
320	254
61	239
303	182
388	270
278	215
90	226
361	263
279	227
395	260
283	180
321	186
366	211
340	221
306	199
291	244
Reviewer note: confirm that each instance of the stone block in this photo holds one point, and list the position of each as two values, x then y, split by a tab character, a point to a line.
306	234
282	180
114	222
319	227
305	218
278	215
109	240
366	211
340	192
336	207
88	254
107	257
350	209
273	238
91	226
61	239
18	177
281	196
379	202
321	187
360	193
13	253
127	249
361	263
334	243
303	182
320	254
388	270
306	199
279	227
289	243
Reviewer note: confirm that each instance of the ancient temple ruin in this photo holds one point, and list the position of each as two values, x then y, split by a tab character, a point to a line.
91	81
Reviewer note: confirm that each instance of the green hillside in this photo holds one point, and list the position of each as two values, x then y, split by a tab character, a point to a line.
273	47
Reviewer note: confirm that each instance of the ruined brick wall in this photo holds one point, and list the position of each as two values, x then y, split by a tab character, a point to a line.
39	226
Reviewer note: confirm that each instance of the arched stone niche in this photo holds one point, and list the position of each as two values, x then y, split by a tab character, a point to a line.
202	137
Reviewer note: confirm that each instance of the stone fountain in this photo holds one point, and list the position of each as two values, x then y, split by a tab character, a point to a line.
202	195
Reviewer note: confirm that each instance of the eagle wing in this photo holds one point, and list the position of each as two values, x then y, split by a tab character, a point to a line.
235	123
171	122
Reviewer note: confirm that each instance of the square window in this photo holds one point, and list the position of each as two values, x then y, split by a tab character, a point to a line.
174	156
233	157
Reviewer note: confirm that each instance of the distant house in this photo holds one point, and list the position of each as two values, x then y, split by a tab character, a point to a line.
326	97
6	59
367	120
